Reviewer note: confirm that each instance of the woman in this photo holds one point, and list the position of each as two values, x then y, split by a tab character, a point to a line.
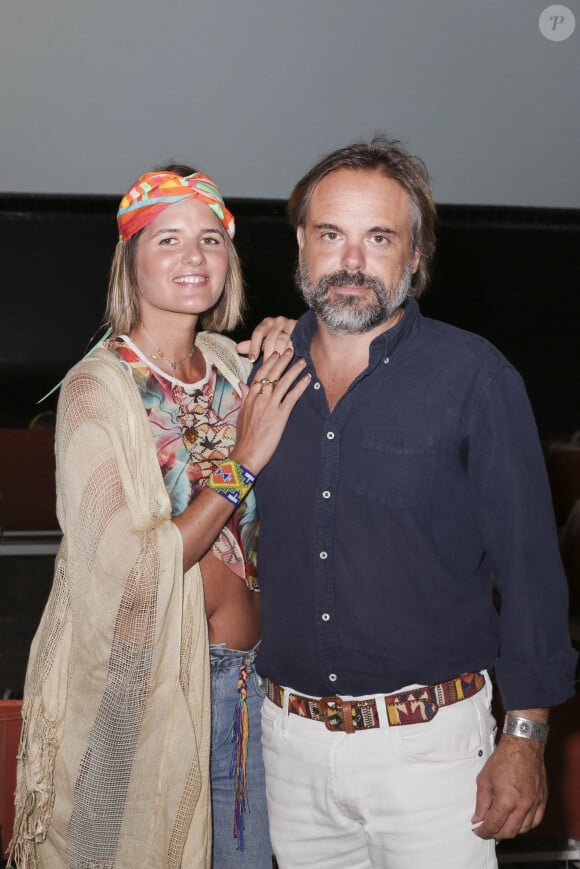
157	447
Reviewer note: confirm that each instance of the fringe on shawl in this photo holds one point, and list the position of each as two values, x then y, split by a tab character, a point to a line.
34	802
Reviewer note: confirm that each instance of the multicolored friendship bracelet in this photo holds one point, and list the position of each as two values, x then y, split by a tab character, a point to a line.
231	480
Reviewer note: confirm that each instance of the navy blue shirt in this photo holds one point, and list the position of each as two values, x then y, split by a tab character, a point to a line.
385	522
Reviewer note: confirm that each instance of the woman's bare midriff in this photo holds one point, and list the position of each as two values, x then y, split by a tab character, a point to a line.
232	610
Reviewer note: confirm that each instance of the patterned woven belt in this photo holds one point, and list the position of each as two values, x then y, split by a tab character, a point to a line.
406	707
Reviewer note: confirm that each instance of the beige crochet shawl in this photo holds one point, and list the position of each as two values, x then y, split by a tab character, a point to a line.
114	759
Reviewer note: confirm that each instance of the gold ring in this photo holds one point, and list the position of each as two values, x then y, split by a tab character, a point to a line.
265	382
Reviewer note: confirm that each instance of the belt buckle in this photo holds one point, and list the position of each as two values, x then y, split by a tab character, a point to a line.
334	707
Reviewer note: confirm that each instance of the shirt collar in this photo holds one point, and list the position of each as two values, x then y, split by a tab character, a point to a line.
382	346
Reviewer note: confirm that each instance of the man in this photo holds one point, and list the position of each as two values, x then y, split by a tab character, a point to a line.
409	478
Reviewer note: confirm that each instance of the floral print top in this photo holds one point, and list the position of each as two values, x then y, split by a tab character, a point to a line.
194	428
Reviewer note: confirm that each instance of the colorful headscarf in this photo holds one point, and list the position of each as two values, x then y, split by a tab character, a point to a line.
153	192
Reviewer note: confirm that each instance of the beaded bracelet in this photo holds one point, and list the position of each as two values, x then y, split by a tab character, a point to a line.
231	480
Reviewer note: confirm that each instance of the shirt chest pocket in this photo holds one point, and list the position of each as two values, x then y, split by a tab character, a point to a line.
398	466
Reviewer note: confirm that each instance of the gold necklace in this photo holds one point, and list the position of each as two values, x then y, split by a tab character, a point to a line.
159	354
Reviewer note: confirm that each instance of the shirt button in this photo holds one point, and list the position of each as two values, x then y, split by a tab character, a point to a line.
325	617
317	385
324	555
330	435
332	677
326	494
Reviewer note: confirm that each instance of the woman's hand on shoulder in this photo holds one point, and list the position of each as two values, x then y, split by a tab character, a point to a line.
272	334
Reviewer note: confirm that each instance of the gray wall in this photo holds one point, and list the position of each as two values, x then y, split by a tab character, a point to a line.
92	92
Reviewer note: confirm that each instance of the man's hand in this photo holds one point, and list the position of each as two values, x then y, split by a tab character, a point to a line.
272	334
511	789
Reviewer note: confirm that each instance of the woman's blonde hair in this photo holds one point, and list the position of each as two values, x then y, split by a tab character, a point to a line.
123	312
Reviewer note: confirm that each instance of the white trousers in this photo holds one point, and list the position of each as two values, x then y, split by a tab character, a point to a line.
388	798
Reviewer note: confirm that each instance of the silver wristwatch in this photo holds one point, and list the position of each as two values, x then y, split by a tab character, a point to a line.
526	728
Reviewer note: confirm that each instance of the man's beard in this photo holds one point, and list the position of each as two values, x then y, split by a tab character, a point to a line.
352	315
